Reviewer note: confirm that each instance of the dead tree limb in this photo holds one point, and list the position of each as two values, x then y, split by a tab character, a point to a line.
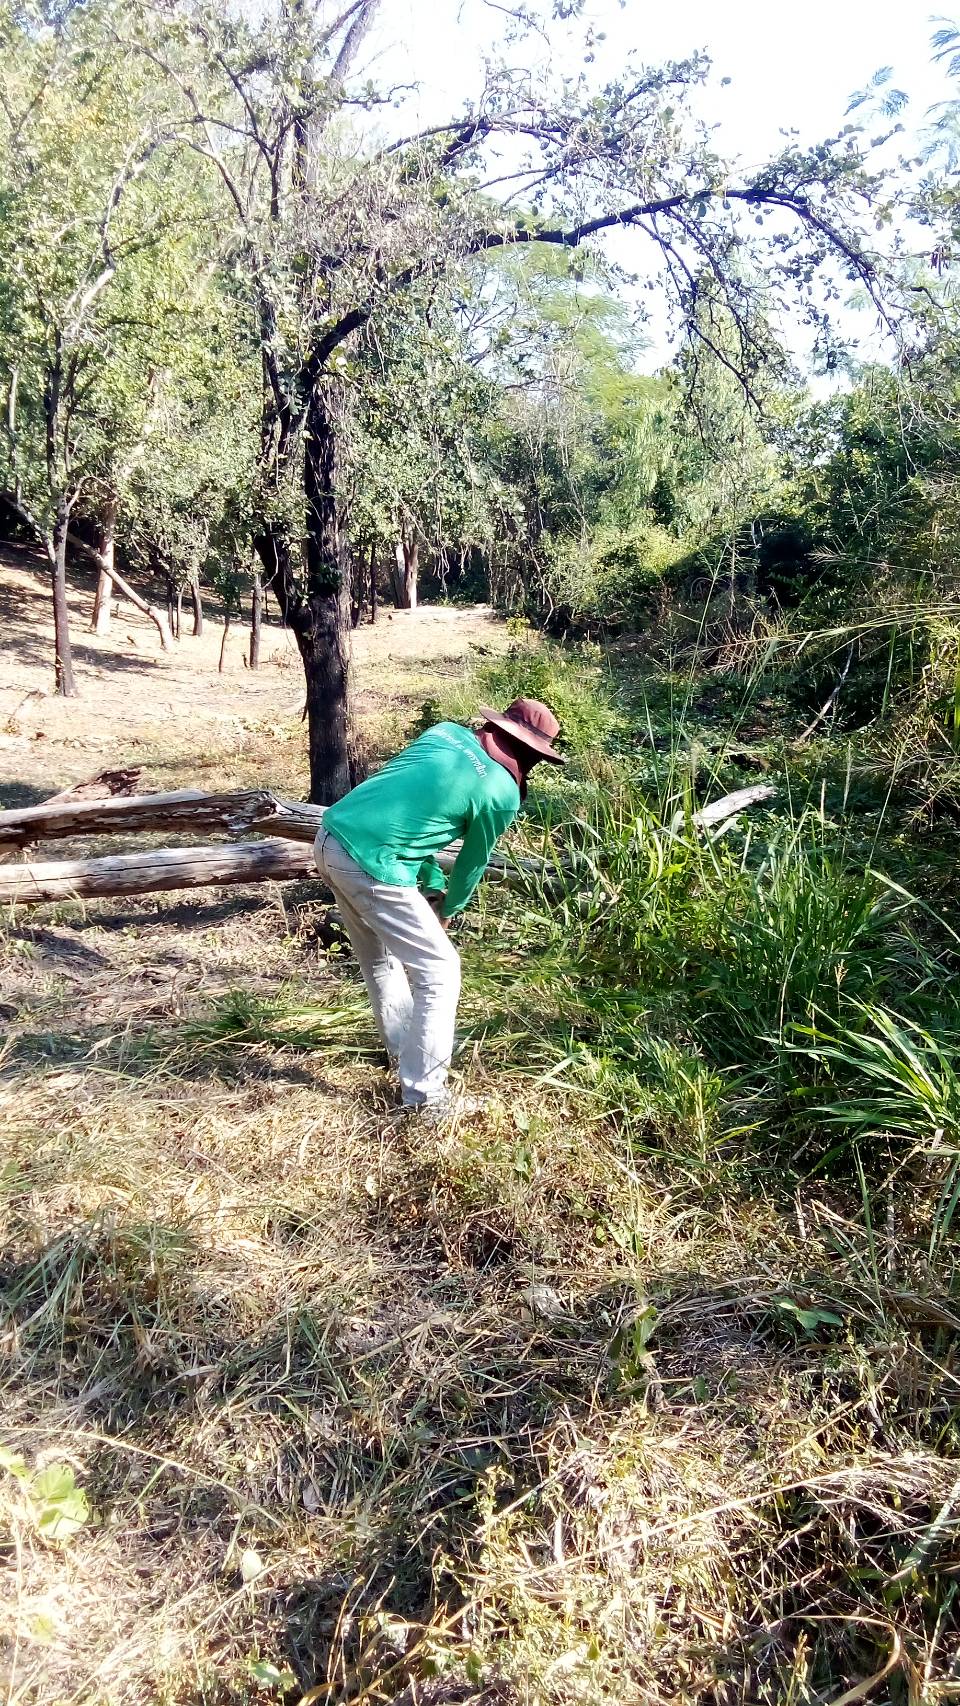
834	696
195	813
104	785
152	870
718	811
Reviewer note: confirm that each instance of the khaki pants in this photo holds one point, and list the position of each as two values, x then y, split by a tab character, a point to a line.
409	965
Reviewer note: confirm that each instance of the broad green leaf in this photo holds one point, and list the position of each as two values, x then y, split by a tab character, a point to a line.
60	1506
268	1675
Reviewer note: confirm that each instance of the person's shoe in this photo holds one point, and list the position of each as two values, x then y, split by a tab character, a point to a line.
444	1110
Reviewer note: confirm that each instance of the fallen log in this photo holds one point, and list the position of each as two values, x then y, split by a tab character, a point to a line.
160	868
718	811
237	813
64	816
152	870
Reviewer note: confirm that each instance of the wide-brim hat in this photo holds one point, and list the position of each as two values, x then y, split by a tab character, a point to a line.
531	723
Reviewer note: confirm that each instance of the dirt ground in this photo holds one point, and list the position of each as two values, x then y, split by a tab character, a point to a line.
173	713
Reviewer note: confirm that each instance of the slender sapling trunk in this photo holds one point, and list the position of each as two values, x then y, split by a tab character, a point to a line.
223	642
100	623
66	686
256	619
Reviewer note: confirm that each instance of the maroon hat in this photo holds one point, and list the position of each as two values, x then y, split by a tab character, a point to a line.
530	722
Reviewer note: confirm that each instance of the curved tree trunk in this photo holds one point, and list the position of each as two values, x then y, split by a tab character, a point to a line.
155	615
100	623
61	616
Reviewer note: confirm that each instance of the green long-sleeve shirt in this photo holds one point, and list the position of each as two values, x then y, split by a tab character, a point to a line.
441	787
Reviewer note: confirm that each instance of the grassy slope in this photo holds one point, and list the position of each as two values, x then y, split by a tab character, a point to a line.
562	1405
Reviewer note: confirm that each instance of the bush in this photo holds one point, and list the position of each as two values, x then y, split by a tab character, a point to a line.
615	579
670	948
573	684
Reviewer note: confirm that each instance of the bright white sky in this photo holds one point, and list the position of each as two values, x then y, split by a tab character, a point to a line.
790	66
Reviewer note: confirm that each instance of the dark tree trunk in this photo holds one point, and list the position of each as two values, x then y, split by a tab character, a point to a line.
197	606
358	586
179	611
325	668
256	618
61	617
319	614
323	629
100	623
373	582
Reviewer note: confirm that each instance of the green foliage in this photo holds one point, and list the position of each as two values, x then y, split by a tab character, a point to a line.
267	1675
691	971
130	379
573	684
803	931
907	1076
614	578
53	1503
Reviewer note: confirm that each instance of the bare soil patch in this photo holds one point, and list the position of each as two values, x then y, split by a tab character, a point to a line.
173	713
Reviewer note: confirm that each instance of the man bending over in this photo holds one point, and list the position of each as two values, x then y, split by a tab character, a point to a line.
377	851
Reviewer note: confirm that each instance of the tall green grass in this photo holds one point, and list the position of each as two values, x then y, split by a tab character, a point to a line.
688	964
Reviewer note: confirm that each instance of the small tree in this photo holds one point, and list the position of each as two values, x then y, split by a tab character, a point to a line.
333	232
105	283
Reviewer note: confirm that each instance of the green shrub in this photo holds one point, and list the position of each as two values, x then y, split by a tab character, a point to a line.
678	958
614	579
573	683
802	932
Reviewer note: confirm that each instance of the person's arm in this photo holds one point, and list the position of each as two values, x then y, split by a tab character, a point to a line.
478	843
431	880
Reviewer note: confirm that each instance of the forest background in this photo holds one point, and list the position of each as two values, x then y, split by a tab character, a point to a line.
644	1385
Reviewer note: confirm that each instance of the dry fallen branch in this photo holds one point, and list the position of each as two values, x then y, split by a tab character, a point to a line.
64	816
160	868
152	870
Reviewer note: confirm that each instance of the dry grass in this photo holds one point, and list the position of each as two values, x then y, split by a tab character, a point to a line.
174	714
413	1378
499	1415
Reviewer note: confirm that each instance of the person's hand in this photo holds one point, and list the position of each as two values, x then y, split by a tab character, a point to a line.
434	900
